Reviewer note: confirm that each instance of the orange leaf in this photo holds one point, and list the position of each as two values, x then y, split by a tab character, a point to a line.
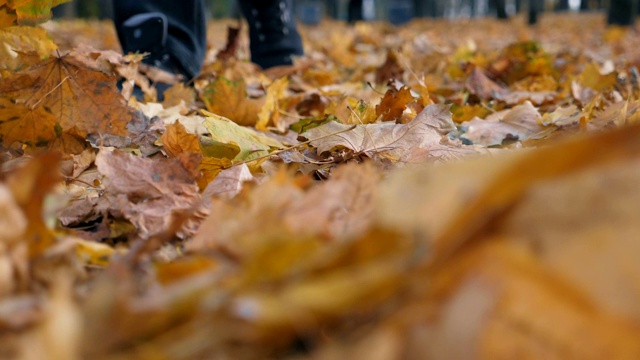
60	95
30	185
229	99
393	103
6	18
176	140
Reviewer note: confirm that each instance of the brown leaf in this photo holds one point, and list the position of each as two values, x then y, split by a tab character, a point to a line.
60	95
393	103
390	70
146	191
178	93
480	85
176	140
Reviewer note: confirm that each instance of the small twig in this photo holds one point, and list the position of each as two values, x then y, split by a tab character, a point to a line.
291	147
52	90
372	88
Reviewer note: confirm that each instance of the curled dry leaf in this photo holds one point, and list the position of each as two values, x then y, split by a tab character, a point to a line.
145	191
521	122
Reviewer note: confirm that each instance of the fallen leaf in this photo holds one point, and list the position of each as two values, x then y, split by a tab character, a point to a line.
390	141
393	103
31	12
229	99
60	95
480	85
270	112
520	123
145	191
229	140
176	140
23	39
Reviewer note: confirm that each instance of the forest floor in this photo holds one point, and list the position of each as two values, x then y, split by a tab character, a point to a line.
440	190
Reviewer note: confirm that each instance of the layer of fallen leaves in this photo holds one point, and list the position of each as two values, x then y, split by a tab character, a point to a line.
398	193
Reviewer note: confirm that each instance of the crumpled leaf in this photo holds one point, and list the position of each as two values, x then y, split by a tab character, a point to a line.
60	95
145	191
480	85
396	142
521	122
176	140
393	103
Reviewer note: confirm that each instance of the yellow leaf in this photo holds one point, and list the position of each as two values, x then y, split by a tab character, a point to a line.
94	253
270	112
22	39
229	99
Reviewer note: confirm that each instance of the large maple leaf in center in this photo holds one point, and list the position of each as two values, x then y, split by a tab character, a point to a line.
60	95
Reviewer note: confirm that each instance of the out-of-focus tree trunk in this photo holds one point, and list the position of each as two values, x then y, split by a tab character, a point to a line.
354	12
563	5
621	12
500	7
535	7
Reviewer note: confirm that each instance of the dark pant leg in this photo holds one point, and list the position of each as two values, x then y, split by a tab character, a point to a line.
186	42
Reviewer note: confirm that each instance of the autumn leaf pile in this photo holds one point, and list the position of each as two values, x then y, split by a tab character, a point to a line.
441	190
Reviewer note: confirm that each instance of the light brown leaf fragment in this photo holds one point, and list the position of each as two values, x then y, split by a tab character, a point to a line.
480	85
521	122
228	183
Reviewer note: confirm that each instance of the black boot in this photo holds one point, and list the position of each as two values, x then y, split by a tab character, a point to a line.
273	35
172	32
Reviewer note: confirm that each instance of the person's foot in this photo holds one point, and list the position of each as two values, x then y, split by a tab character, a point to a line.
148	33
273	36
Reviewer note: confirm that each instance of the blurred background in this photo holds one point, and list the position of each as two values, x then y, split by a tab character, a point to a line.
394	11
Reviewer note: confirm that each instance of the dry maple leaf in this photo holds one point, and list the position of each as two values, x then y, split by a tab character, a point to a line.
60	95
396	142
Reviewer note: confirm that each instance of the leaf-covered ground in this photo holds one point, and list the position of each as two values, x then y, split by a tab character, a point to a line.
441	190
